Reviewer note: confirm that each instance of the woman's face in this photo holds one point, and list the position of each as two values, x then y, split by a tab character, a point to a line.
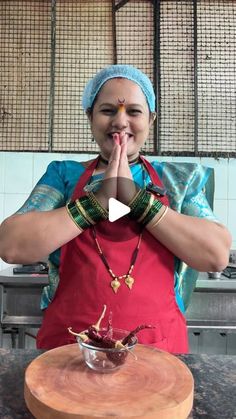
120	106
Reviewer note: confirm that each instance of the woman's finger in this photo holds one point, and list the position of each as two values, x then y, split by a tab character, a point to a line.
124	170
113	163
108	187
126	188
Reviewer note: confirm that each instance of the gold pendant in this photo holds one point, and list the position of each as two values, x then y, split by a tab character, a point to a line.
115	285
129	281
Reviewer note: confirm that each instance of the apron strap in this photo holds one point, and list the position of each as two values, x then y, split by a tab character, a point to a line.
84	178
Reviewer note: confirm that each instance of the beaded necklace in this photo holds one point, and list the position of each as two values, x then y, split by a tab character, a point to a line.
115	283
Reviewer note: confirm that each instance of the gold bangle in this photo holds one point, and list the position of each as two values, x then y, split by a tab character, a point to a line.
151	200
83	212
161	217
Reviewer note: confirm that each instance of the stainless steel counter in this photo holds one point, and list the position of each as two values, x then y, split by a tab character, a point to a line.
223	283
211	316
20	304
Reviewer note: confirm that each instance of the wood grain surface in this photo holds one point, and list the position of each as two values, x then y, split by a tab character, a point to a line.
59	385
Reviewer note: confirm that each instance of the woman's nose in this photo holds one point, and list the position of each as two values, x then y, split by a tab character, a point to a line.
120	120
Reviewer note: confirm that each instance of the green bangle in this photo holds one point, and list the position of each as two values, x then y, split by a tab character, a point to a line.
93	209
139	204
84	212
144	207
155	208
96	205
76	216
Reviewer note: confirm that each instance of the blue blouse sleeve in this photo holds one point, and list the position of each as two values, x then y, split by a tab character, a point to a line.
53	191
54	188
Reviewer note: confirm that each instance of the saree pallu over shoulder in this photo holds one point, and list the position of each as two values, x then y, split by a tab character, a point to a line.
190	189
183	181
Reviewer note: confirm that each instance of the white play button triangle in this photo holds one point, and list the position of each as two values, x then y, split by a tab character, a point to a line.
116	209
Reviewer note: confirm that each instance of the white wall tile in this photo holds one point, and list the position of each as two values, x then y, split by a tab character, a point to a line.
42	160
233	244
40	163
221	175
232	179
2	171
18	172
12	203
187	159
78	157
232	218
221	210
159	158
2	196
1	219
3	265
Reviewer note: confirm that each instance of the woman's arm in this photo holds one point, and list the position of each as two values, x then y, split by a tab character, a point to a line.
202	244
29	237
33	235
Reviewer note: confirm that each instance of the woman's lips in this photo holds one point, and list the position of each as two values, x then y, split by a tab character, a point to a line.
115	136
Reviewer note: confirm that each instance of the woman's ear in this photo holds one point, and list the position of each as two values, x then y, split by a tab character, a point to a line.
153	116
89	114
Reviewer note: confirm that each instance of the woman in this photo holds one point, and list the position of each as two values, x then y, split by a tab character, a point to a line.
130	264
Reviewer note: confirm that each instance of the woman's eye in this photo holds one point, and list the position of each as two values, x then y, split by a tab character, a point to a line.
134	111
108	111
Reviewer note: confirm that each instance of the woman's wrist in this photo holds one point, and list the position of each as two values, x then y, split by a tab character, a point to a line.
145	207
158	218
86	211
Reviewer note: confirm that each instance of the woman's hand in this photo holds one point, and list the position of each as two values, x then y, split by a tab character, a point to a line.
126	188
108	187
117	182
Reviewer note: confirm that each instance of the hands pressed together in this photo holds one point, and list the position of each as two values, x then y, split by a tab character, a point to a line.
118	182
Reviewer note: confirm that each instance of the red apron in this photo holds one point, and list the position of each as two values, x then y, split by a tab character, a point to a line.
84	285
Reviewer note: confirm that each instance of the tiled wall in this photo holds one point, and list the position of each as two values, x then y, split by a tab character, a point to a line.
20	171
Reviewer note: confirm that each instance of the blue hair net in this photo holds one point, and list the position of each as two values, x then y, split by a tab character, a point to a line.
118	70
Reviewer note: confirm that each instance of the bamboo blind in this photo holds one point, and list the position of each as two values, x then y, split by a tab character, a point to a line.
217	76
25	74
177	76
50	48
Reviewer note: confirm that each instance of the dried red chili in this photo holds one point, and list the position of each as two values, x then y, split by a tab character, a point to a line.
96	337
128	339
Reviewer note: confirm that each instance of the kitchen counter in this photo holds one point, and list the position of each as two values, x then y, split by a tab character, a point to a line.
7	277
214	377
20	297
203	282
222	284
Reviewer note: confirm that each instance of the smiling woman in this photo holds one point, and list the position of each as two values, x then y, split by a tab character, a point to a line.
132	118
94	261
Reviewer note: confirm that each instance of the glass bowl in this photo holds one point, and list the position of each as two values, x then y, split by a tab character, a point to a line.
106	360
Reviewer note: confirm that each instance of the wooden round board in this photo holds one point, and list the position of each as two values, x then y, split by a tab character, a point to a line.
59	385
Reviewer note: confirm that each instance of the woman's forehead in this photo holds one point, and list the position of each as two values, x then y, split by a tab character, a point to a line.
121	89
